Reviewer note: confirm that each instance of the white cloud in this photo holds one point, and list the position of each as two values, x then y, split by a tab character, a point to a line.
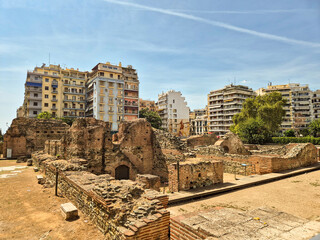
218	24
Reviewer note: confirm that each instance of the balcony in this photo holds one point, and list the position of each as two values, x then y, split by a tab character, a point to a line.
73	93
54	108
54	100
70	100
55	92
132	97
34	107
127	88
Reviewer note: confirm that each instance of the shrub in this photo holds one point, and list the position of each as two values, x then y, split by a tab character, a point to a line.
289	133
286	140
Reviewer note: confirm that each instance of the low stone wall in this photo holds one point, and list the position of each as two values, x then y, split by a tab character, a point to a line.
194	173
201	140
243	168
149	181
121	209
297	155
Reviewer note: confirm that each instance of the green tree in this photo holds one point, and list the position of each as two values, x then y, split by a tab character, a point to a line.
69	121
289	133
254	131
44	115
314	128
152	117
259	115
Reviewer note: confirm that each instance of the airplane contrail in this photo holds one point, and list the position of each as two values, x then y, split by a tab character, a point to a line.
217	24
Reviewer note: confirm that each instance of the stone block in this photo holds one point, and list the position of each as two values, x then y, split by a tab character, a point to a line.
69	211
29	162
40	179
35	169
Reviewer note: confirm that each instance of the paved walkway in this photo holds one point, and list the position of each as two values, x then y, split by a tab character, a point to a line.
237	184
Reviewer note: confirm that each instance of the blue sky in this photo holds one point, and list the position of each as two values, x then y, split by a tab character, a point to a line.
192	46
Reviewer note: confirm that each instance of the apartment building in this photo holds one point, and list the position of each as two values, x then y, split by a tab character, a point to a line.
112	93
316	104
48	87
73	92
199	122
174	113
151	105
131	93
105	94
223	104
299	110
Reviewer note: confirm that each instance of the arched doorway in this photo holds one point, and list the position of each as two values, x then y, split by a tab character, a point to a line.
122	172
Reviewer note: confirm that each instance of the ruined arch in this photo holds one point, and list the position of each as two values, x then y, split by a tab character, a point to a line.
122	172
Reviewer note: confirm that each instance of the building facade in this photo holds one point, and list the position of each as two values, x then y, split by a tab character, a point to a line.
299	107
223	104
109	92
316	104
53	89
199	121
112	94
174	113
151	105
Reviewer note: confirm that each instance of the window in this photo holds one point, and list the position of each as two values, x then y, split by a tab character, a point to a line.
53	105
53	114
46	104
46	88
73	98
35	112
118	76
65	113
101	74
47	79
74	82
65	105
111	75
46	96
81	106
173	101
35	94
35	104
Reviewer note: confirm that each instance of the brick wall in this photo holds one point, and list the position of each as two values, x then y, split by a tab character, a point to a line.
80	189
194	174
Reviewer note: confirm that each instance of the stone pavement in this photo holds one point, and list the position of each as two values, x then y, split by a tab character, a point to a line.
237	184
231	224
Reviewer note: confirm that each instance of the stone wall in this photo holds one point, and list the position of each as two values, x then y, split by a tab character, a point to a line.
232	144
149	181
121	209
194	173
297	155
27	135
201	140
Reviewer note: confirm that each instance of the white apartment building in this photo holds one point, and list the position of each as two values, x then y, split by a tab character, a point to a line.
223	104
174	113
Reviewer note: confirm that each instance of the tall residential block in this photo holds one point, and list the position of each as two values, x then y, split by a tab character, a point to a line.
112	93
223	104
299	112
55	90
174	113
316	104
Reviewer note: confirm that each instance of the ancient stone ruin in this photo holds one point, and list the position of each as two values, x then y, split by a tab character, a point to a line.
133	150
27	135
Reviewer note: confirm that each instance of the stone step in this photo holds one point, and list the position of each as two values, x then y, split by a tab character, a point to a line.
69	211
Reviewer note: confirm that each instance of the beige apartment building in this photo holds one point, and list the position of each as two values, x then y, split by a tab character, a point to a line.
151	105
53	89
299	109
112	94
109	92
223	104
316	104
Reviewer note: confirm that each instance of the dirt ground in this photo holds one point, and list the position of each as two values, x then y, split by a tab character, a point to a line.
299	196
30	211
